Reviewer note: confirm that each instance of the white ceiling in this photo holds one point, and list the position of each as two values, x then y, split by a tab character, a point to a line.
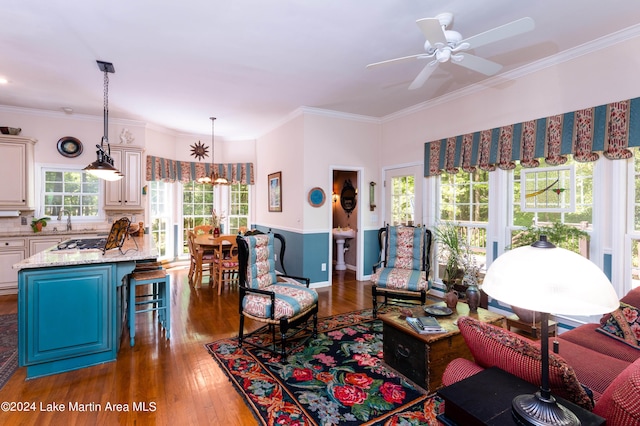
250	63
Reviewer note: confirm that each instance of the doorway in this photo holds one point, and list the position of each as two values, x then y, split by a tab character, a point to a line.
345	214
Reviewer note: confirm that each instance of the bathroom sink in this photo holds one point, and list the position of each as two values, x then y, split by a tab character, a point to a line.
343	233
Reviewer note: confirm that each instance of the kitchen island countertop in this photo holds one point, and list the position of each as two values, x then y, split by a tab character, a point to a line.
52	257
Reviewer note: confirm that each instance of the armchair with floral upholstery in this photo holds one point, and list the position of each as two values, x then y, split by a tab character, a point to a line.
403	271
278	300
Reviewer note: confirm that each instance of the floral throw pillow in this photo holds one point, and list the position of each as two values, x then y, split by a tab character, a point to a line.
623	324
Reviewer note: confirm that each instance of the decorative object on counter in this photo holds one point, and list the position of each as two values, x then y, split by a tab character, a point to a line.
69	147
117	235
38	224
103	167
316	197
14	131
548	279
213	177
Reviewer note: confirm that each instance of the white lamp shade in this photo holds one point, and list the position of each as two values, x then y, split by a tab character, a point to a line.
551	280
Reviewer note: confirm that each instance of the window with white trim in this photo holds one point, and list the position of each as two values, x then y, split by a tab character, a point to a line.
72	190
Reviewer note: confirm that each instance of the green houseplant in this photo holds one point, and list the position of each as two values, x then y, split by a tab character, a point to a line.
38	224
451	249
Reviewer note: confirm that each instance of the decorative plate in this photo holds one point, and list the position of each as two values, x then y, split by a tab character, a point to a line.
316	197
69	147
438	311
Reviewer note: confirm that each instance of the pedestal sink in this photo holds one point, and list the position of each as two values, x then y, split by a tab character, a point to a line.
339	236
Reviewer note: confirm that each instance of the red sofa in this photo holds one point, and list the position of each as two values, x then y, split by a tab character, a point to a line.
592	369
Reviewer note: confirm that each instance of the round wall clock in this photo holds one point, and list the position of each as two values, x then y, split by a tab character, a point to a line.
316	197
69	147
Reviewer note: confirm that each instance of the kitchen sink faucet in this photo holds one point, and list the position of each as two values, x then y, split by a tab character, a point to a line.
61	212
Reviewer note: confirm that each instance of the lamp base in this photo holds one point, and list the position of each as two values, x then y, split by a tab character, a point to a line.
535	410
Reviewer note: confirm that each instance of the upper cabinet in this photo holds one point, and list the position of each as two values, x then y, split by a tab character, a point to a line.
125	193
16	163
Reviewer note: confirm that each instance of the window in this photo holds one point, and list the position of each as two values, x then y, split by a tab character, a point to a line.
635	225
197	207
464	201
238	208
581	216
72	190
402	199
160	215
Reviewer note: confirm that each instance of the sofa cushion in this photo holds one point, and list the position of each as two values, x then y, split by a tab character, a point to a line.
493	346
631	298
623	325
620	404
593	369
587	336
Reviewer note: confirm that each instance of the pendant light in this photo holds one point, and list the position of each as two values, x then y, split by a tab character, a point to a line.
213	177
103	167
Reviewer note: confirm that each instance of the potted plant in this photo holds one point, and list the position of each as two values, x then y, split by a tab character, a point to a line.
449	254
38	224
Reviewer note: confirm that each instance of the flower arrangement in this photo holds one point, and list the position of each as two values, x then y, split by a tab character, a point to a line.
469	264
216	219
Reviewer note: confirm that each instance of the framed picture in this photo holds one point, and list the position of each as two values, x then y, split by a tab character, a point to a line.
275	192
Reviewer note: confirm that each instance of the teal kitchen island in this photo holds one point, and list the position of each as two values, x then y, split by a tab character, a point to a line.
71	305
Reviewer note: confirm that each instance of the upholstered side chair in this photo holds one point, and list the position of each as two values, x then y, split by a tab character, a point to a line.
280	301
402	274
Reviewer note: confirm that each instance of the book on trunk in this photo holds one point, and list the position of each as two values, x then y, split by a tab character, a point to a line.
416	324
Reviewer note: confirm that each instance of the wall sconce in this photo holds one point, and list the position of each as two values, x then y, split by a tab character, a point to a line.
372	195
335	197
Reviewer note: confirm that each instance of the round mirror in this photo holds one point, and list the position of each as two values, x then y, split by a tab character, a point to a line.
348	198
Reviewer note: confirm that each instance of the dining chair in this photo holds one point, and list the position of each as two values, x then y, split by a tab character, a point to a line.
402	274
202	229
225	258
197	259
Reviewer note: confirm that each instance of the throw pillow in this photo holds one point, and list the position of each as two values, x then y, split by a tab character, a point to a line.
492	346
624	325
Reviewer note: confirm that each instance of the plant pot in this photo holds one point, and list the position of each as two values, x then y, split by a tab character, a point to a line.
451	299
473	297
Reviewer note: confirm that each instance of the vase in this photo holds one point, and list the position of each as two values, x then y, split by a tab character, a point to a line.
473	297
216	232
451	299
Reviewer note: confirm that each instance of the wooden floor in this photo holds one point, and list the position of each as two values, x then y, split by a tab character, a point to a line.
177	380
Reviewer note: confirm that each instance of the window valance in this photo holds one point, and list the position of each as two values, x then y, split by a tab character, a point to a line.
185	171
610	129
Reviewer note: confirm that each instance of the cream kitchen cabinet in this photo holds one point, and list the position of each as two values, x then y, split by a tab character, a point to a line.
17	161
126	193
12	251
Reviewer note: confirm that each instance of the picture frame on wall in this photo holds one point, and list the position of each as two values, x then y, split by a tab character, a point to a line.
275	192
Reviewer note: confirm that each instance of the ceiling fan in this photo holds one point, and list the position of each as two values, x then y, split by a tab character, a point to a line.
443	45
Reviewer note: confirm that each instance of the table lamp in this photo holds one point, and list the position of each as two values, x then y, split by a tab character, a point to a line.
548	279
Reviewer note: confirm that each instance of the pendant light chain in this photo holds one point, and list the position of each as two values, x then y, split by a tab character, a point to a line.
213	149
105	93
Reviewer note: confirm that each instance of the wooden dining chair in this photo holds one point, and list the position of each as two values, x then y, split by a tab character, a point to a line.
202	229
225	258
197	259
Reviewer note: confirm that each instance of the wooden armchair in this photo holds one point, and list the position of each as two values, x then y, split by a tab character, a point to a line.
280	301
403	271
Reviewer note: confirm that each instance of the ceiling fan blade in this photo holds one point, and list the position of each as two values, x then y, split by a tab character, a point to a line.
475	63
424	75
511	29
432	30
404	58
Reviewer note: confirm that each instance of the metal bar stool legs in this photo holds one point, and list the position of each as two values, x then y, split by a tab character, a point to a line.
159	299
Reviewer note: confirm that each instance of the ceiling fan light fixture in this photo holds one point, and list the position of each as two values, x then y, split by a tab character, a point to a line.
443	55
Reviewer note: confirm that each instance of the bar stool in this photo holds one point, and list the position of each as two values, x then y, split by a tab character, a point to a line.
159	299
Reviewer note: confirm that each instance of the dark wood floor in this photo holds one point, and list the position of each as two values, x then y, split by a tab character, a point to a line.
177	376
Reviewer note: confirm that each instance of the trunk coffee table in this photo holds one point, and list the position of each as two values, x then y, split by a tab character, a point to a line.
422	358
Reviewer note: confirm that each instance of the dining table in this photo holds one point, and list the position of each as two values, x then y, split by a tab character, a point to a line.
209	243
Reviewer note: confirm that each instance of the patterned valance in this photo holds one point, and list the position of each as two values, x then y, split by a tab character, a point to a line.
610	129
186	171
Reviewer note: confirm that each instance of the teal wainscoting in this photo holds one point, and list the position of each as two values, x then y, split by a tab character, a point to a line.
305	253
371	251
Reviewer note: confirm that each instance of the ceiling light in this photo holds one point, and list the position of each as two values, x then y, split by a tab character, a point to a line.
3	80
103	167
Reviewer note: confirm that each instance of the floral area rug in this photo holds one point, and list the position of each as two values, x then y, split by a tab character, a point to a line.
337	378
8	347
